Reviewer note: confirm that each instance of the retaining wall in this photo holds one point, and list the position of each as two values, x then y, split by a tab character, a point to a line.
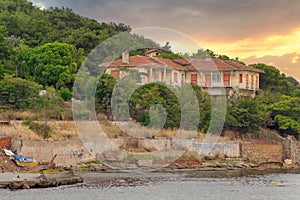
222	149
291	150
69	152
262	152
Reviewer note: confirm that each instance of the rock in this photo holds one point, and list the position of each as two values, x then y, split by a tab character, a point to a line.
244	165
288	161
253	165
26	186
209	165
4	185
16	185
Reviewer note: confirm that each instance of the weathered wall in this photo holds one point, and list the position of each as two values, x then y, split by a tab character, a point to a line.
5	142
69	152
291	150
262	152
228	148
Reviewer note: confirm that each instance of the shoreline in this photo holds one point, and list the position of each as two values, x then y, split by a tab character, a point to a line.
126	178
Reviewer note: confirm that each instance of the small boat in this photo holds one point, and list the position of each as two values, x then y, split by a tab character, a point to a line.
22	161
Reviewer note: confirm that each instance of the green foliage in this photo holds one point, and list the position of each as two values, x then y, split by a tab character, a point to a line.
272	79
54	64
49	105
243	116
65	94
43	130
37	27
285	115
18	93
152	94
170	55
204	101
104	92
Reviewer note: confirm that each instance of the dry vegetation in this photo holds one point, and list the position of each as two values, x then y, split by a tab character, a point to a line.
19	131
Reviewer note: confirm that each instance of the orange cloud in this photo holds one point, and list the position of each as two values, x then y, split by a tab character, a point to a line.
275	45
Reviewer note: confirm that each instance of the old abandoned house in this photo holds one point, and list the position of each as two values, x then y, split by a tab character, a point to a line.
207	73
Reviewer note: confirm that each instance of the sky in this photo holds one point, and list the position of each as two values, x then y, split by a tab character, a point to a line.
256	31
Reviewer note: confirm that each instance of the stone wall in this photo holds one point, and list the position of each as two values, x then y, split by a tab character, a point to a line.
69	152
222	149
261	151
291	150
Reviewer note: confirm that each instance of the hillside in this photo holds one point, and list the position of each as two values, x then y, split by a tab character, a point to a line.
24	27
44	50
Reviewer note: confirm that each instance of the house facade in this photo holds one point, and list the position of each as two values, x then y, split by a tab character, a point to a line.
206	73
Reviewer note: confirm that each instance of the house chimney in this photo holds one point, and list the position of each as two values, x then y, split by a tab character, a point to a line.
125	57
237	59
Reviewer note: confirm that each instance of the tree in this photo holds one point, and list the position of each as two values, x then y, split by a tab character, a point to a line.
152	94
18	93
104	92
65	94
284	115
167	47
243	116
201	53
54	64
49	105
272	79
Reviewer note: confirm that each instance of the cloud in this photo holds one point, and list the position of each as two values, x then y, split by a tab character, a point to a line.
287	63
268	29
211	20
39	4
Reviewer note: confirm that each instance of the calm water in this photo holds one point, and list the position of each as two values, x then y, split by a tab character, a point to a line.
157	186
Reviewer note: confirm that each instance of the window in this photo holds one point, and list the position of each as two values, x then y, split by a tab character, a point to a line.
115	73
175	79
247	81
252	82
208	80
256	83
194	79
162	76
226	80
182	79
241	78
216	78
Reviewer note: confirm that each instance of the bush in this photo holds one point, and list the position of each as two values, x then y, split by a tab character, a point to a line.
41	129
65	94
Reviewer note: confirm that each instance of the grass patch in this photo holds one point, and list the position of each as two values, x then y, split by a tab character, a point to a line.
94	162
50	171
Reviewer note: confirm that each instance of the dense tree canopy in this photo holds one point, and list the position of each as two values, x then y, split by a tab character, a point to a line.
18	93
53	64
36	27
272	79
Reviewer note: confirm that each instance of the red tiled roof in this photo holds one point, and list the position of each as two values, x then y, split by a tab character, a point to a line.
243	67
209	64
134	61
183	64
153	50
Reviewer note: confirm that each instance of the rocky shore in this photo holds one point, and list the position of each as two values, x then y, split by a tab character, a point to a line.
16	181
